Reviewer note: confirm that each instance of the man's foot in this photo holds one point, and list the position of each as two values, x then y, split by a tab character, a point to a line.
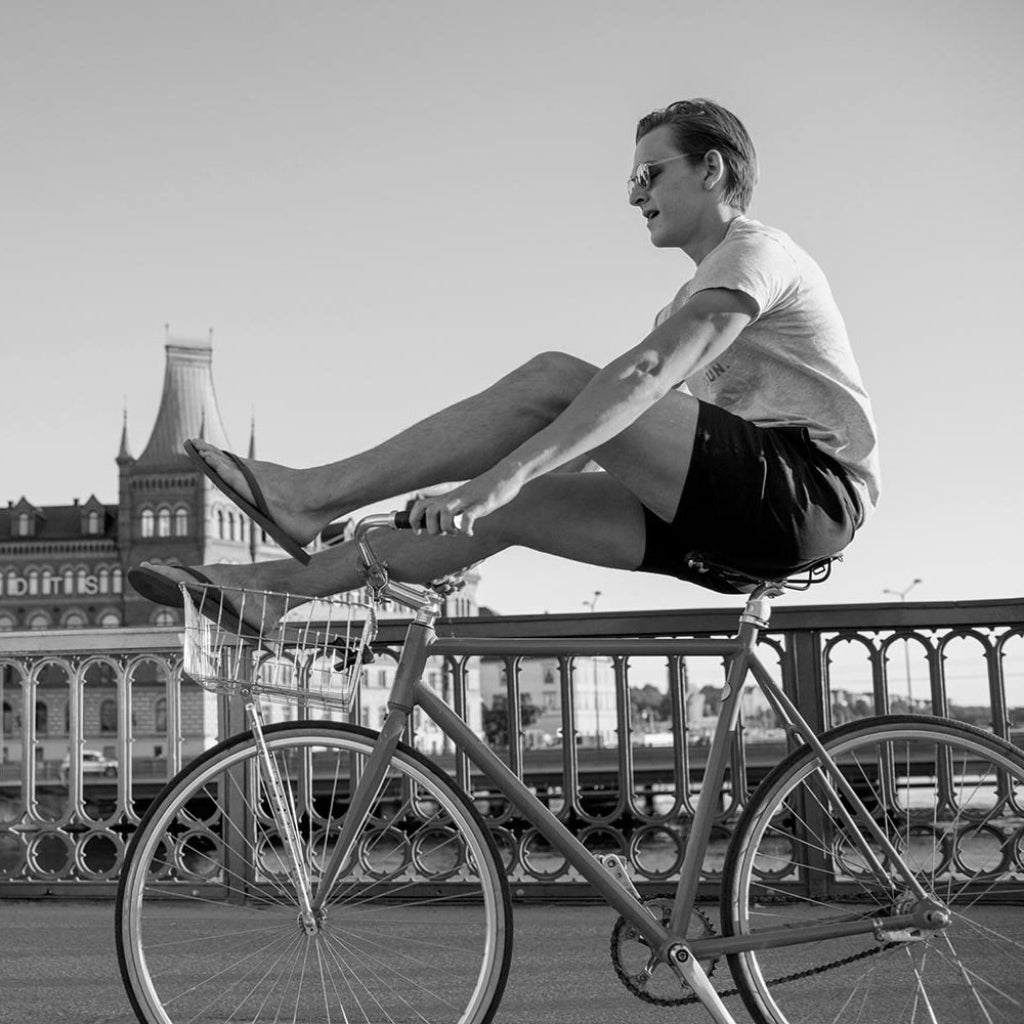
221	592
278	492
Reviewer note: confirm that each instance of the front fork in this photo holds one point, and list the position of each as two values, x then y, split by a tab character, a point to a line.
282	804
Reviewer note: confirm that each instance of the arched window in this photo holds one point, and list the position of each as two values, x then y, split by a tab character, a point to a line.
39	621
103	578
160	715
92	522
231	526
165	617
163	523
181	522
42	718
74	620
69	580
82	581
47	583
147	522
115	581
24	525
6	623
108	715
110	620
33	582
220	523
8	719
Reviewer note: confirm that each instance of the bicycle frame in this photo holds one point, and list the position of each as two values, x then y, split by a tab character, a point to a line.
409	691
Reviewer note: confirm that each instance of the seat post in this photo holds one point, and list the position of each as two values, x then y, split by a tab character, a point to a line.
758	609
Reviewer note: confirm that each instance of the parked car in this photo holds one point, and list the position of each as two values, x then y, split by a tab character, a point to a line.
94	762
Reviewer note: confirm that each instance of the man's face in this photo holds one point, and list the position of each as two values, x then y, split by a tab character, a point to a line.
675	196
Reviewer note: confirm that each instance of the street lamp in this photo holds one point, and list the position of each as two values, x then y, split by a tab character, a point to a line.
592	604
902	595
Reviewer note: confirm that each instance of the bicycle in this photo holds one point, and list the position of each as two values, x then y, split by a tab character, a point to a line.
320	871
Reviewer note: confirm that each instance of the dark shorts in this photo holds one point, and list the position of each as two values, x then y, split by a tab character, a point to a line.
762	500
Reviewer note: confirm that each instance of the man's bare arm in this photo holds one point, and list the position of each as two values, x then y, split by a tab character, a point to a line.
629	385
617	396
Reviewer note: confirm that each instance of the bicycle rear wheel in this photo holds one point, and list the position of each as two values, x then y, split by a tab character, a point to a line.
951	799
419	929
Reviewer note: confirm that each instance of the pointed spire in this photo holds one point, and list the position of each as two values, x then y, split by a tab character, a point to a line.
188	407
124	454
253	544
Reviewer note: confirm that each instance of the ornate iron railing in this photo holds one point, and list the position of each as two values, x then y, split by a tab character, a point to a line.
94	722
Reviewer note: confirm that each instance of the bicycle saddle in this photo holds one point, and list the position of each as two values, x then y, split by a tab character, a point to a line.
744	582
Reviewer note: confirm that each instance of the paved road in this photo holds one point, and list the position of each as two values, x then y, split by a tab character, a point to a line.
58	963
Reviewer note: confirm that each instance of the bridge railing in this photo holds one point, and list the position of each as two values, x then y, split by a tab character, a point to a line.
94	722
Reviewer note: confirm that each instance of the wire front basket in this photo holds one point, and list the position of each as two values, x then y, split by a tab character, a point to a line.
236	642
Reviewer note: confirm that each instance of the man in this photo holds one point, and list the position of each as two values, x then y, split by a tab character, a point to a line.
765	464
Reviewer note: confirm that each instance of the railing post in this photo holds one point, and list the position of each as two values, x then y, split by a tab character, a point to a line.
806	687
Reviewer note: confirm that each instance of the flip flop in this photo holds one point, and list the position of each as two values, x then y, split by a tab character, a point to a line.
259	512
210	601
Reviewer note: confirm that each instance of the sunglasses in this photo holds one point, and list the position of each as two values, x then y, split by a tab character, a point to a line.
641	178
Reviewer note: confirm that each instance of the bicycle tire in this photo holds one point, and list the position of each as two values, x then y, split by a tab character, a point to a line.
951	797
419	928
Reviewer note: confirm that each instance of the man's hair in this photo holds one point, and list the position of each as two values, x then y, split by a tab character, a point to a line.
700	125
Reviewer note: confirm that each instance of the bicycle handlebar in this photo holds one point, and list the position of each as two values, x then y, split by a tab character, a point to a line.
418	598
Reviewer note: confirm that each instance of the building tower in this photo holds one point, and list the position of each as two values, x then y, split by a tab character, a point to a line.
168	512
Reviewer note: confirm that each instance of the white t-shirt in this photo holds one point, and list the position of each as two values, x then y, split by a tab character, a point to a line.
792	364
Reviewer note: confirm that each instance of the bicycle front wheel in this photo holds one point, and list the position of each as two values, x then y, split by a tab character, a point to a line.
950	798
208	927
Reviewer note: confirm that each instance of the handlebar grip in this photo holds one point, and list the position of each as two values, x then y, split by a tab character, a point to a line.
403	521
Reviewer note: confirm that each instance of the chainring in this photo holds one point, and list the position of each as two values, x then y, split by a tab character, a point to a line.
648	979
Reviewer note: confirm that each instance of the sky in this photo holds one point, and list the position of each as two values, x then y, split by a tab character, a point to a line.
380	208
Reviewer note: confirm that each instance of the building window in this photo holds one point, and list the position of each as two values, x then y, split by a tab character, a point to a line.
160	715
8	719
39	621
6	623
115	581
69	580
163	523
181	523
165	617
147	521
110	620
24	526
74	620
108	715
33	582
42	718
220	524
82	578
92	522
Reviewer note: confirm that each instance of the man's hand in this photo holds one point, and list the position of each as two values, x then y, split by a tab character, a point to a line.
469	502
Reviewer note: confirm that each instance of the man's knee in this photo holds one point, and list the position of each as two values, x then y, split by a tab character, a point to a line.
556	377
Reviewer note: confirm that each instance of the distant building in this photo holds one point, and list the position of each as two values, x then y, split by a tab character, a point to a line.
65	567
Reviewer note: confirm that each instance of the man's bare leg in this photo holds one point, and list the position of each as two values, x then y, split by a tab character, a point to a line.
587	517
467	438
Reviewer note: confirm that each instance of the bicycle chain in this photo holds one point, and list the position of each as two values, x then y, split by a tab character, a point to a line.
728	993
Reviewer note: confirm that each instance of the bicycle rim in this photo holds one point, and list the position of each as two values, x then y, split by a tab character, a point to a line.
951	800
417	929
